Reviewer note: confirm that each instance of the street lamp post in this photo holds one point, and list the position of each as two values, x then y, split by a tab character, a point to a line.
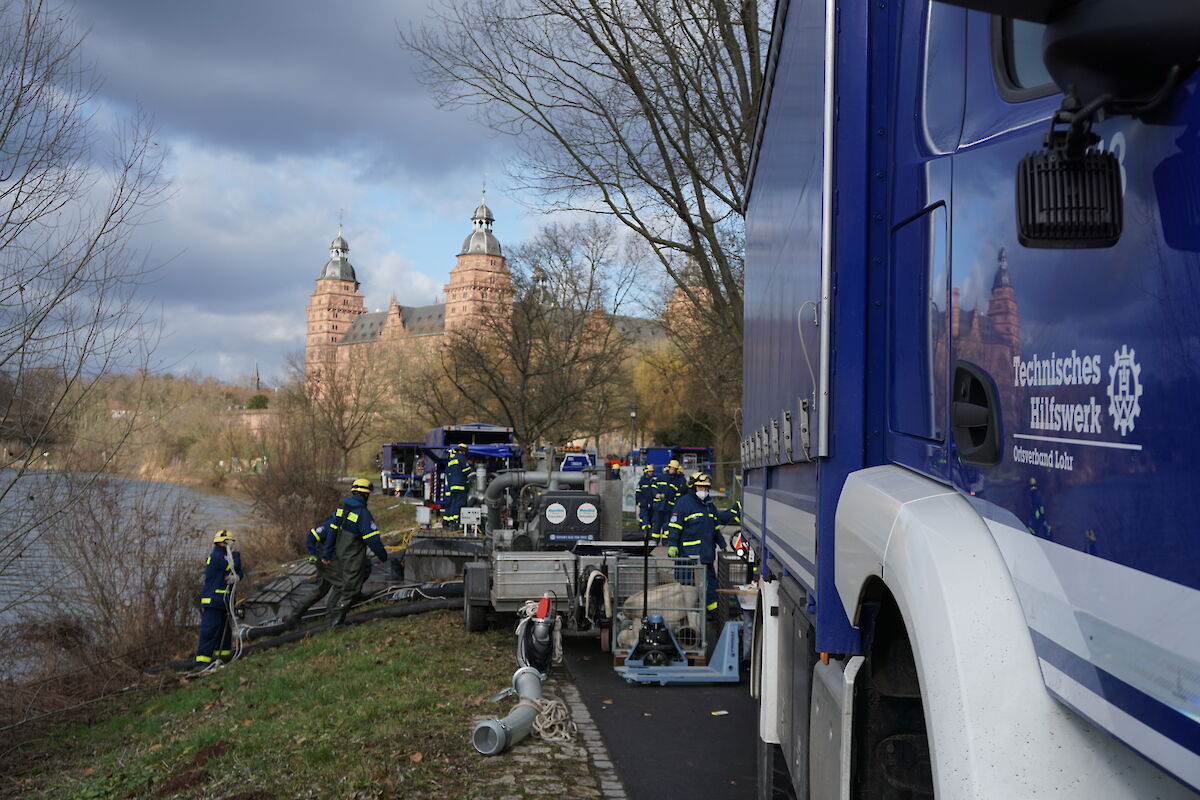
633	426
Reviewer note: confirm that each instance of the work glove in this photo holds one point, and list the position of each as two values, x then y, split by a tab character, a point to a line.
230	578
672	551
312	559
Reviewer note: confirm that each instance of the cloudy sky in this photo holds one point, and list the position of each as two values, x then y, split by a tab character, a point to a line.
275	115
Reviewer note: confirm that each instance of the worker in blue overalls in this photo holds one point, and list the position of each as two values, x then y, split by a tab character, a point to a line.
692	531
456	486
667	491
327	576
353	532
222	570
643	498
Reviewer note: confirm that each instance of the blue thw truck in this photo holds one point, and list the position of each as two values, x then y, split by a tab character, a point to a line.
972	366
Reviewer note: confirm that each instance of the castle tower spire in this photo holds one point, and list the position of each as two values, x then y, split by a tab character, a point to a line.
333	306
1002	305
480	279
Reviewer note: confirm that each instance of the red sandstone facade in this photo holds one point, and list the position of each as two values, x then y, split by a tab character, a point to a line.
339	325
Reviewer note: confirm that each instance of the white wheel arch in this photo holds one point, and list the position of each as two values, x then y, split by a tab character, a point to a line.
994	730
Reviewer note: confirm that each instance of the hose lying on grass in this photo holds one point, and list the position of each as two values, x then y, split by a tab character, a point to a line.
408	609
547	717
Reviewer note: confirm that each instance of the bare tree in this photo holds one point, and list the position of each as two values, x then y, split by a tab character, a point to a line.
343	402
642	109
67	278
549	363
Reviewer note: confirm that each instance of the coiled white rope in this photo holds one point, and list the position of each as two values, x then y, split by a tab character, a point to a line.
553	722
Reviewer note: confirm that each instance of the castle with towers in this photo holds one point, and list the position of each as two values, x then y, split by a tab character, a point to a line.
340	328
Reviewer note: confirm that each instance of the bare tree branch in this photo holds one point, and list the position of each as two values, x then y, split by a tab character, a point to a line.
68	314
640	109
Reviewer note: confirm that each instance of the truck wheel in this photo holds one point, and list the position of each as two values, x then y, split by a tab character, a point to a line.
892	757
774	780
475	617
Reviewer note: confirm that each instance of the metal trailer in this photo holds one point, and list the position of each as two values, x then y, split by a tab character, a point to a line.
969	464
402	469
504	581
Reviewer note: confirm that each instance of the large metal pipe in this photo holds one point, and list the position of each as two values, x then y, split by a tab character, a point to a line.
522	477
492	737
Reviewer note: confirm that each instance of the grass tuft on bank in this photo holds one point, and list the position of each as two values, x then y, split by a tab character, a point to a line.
383	709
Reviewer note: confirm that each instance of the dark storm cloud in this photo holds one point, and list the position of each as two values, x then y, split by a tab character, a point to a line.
274	78
272	116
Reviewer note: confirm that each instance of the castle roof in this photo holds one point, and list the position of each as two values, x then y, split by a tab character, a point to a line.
365	329
338	266
424	320
418	321
481	240
1002	277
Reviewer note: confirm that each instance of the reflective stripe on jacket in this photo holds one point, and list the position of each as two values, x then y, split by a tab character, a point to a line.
352	518
644	495
215	569
668	491
314	541
456	473
693	527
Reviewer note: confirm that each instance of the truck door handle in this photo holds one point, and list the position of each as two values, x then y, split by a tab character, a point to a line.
976	417
970	415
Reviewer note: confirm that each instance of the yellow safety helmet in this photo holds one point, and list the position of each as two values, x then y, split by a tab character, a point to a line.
648	468
673	464
222	536
701	479
362	485
461	447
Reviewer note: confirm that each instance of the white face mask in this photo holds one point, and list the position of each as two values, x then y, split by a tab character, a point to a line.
702	494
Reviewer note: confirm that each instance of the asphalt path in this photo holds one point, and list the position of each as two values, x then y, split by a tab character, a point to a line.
669	741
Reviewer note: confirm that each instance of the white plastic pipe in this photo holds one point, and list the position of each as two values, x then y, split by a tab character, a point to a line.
492	737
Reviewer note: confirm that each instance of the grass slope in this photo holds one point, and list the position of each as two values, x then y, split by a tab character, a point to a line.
383	709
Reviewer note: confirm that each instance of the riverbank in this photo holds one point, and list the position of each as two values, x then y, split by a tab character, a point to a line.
382	709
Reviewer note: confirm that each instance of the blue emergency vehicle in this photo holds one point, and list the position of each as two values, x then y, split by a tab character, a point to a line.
692	459
972	325
493	444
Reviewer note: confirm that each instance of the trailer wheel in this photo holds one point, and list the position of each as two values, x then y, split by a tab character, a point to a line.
475	617
606	640
774	780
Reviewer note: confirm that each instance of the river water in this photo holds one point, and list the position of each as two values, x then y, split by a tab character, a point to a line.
146	519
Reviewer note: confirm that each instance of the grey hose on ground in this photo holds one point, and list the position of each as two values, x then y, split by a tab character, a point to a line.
494	736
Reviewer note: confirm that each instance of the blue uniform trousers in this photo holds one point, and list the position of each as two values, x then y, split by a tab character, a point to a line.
658	526
216	637
646	516
454	504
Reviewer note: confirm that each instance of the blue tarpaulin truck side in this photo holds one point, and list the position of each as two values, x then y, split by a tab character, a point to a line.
972	325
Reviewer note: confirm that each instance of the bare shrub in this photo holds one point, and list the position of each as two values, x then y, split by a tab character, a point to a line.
296	491
131	558
117	594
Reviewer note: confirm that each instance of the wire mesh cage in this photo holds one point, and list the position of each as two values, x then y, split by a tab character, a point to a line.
733	571
675	589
